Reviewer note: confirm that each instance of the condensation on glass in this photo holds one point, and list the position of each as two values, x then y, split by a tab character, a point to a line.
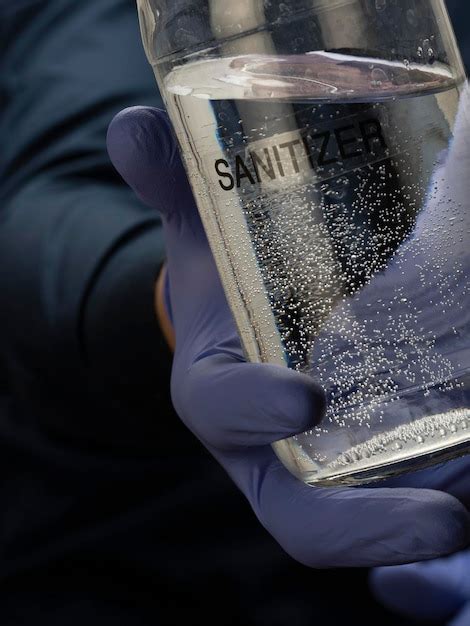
315	135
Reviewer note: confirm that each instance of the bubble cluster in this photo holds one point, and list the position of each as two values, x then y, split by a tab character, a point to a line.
428	434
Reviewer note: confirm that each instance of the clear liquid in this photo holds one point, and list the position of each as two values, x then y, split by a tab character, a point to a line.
317	178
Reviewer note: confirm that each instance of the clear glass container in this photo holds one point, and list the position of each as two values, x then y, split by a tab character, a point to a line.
315	135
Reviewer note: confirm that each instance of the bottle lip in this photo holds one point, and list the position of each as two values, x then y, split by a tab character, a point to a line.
154	27
214	43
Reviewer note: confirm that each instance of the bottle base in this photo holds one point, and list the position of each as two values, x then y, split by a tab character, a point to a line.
384	471
431	440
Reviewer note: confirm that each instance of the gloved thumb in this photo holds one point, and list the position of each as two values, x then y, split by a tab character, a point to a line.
143	149
430	590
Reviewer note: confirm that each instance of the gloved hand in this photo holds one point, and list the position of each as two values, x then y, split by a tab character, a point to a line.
438	591
431	591
237	409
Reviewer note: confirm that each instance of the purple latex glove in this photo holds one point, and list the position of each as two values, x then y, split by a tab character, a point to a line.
237	409
431	591
438	590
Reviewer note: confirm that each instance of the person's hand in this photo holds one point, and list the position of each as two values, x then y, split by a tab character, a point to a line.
431	591
238	409
439	590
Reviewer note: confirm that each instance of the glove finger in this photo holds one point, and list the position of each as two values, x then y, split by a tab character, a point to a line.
231	404
451	477
348	527
429	590
463	618
142	148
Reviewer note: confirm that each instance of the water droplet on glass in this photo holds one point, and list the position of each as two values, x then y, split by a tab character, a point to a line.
378	77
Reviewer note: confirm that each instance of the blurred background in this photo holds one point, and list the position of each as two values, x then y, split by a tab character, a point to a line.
111	512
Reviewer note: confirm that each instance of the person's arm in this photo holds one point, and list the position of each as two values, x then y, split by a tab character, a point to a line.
76	266
79	254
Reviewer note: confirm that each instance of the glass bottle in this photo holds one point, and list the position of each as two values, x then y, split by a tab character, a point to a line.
316	134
